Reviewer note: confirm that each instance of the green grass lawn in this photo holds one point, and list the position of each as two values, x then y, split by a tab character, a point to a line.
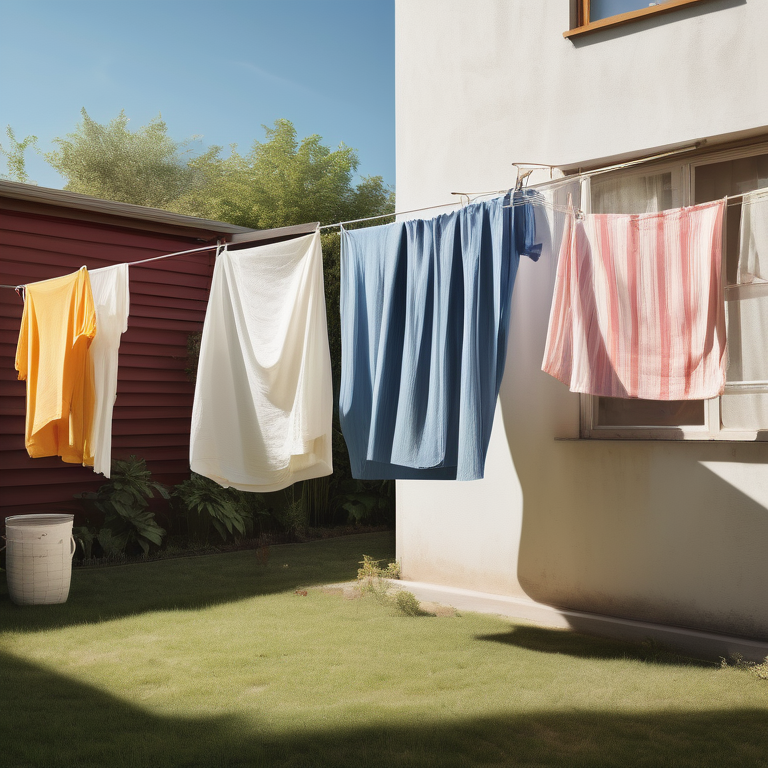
215	661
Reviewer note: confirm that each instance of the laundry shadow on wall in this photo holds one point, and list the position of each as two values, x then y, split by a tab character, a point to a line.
645	530
92	727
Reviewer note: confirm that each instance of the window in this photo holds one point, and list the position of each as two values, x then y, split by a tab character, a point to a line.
592	15
742	412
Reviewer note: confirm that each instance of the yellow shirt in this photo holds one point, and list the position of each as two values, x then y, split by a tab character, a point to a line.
57	327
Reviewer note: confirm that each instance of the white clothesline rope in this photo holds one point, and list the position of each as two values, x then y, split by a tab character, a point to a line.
528	200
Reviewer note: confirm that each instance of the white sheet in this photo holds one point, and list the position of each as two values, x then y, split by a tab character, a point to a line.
111	297
263	402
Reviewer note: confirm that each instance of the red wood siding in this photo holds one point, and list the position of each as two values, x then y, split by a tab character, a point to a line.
154	398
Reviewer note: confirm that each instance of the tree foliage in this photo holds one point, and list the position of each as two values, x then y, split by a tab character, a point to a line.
279	182
284	181
145	167
14	156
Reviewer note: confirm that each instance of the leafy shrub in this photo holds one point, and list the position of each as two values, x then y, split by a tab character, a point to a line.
372	570
124	503
84	538
293	517
407	604
207	503
111	548
366	502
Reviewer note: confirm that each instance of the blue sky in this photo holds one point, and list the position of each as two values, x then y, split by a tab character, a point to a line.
219	69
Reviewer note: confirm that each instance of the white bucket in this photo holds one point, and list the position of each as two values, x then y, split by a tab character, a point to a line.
38	562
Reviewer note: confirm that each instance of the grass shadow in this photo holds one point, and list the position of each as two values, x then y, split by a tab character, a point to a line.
47	719
102	594
559	641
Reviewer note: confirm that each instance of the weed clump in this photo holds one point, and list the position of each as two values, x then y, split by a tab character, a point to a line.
758	669
372	579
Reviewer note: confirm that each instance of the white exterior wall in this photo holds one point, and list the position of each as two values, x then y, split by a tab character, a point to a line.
669	532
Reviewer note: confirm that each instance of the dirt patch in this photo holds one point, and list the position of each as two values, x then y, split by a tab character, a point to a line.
441	611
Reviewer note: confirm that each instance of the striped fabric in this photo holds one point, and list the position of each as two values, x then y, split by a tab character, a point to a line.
638	308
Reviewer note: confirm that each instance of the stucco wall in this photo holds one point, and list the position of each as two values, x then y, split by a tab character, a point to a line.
660	531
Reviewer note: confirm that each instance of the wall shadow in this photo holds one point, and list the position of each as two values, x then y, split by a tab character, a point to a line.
90	727
589	647
103	594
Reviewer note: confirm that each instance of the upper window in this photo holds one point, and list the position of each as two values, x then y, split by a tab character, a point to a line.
591	15
741	413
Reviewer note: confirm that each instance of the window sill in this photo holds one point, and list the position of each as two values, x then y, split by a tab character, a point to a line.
628	18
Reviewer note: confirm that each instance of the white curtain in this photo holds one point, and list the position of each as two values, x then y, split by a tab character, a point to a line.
635	194
753	241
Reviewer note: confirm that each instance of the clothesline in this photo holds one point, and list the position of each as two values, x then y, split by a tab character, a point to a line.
731	200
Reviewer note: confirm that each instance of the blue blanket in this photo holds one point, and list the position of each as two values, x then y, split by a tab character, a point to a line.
425	318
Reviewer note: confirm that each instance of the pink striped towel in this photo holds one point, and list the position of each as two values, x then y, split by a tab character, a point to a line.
638	308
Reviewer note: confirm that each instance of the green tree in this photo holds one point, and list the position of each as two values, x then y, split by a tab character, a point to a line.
279	182
14	156
145	167
283	181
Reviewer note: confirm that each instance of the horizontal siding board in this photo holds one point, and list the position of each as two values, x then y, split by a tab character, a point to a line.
123	443
109	234
54	497
162	289
28	265
126	388
159	400
33	475
37	242
154	404
165	324
133	412
149	427
152	362
131	348
126	373
193	318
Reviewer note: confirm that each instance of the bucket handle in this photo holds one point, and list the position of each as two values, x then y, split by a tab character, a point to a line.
74	546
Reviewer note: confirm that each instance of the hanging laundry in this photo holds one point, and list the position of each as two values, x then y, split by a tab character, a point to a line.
57	327
425	317
111	298
638	309
263	403
753	247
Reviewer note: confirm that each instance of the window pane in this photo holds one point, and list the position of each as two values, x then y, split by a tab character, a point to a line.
731	177
744	411
747	333
616	412
634	194
602	9
641	194
746	306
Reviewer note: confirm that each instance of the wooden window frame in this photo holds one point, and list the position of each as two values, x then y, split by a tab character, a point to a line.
584	26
